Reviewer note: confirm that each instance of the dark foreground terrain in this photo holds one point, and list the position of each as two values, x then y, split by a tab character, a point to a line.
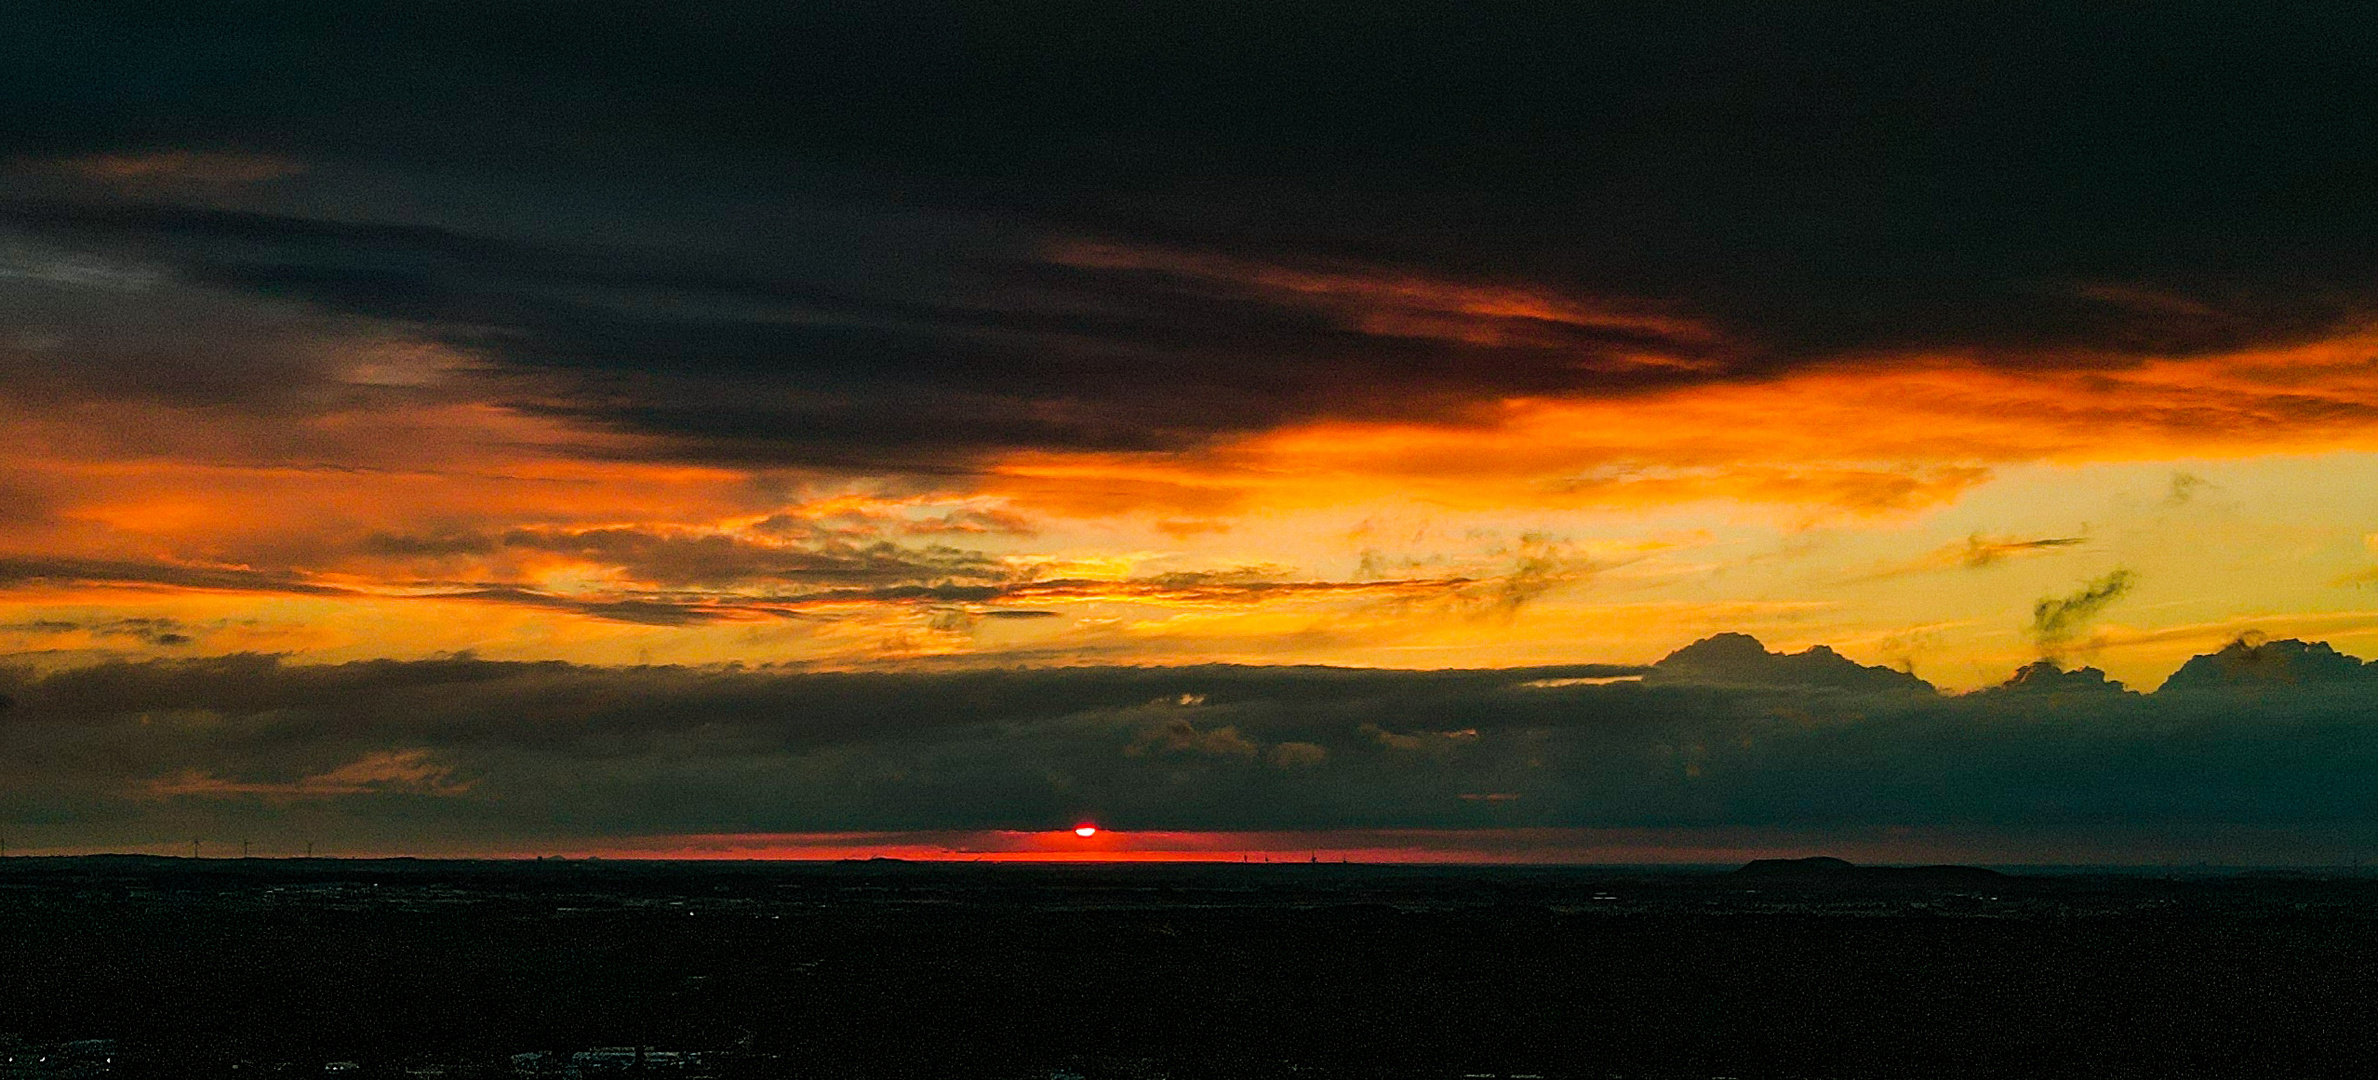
453	969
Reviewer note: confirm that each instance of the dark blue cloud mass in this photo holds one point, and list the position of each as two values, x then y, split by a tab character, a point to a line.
2275	739
833	233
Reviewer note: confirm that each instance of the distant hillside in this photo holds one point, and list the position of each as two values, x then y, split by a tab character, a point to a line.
1740	660
1826	870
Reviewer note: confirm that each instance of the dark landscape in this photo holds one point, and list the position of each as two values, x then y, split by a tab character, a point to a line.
238	968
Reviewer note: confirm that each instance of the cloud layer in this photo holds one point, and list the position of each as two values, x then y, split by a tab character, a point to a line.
926	335
918	236
464	754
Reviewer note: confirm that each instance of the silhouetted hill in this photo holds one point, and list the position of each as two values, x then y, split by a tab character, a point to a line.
1826	870
2048	677
1740	660
1812	866
2286	661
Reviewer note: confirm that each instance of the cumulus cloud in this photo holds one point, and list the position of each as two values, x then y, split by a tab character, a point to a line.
2049	677
2253	661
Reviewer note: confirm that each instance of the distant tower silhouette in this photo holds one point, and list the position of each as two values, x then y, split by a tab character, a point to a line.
243	847
193	849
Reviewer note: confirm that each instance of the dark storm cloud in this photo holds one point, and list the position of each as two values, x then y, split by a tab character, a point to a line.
462	748
838	234
87	320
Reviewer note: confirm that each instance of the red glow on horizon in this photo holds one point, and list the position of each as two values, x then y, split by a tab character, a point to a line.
1441	846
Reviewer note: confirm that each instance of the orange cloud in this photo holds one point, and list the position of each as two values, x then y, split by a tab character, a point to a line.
408	772
1389	304
1978	551
182	168
1865	438
401	512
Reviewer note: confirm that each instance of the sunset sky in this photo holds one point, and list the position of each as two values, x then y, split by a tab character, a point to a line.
702	394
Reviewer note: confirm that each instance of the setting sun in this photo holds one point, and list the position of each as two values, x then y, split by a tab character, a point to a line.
1085	831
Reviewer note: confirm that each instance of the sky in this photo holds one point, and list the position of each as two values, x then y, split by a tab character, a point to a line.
822	429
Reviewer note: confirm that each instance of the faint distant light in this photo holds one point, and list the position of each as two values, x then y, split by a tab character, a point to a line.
1085	831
